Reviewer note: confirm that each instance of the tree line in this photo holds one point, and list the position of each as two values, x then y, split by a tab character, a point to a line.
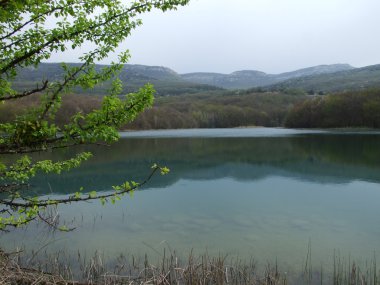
218	110
226	109
340	110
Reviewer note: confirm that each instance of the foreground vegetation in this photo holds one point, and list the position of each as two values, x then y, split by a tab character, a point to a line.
31	32
171	269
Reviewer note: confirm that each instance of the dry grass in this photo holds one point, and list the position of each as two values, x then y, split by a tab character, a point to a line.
201	270
169	269
12	273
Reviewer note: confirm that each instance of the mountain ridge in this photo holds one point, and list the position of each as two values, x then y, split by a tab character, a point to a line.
315	79
134	76
256	78
353	79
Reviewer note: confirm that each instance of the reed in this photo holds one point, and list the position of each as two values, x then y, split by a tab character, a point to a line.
170	269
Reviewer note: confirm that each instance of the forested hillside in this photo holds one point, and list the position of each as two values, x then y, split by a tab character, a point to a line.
340	110
165	80
312	80
245	79
298	102
354	79
218	110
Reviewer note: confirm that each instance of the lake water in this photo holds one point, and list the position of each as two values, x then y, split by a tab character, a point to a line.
257	192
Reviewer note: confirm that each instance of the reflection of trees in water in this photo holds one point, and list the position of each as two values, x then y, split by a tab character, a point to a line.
321	158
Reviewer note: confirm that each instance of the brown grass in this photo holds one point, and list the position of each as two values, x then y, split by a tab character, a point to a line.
169	269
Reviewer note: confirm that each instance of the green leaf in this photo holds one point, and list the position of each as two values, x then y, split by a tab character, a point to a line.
164	170
28	36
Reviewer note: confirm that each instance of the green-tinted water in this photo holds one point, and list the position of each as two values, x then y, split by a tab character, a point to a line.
246	192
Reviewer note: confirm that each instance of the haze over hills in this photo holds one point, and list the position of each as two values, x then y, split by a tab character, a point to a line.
165	80
345	80
252	78
322	78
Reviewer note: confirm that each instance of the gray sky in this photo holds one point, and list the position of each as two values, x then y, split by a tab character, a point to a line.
269	35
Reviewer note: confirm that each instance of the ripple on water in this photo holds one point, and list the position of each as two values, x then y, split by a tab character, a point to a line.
301	225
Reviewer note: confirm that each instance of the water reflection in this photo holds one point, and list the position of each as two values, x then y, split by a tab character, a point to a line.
321	158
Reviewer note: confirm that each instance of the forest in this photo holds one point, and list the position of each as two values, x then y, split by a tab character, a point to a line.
234	108
359	109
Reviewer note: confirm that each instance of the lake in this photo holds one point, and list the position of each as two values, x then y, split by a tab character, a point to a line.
249	192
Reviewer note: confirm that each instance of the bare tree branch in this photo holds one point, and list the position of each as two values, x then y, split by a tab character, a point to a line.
59	89
26	93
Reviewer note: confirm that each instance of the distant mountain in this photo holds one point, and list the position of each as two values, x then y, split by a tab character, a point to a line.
251	78
314	70
322	78
237	80
165	80
350	79
149	72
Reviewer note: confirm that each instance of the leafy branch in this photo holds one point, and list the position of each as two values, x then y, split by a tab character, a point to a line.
32	31
29	209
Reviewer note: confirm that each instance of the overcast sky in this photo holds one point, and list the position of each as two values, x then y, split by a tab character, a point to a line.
268	35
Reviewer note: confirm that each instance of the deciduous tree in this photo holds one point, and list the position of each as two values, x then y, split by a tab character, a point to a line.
31	31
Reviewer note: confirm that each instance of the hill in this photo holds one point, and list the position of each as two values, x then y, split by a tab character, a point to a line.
165	80
252	78
346	80
313	80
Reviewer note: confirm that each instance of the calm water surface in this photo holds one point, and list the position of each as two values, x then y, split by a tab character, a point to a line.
244	192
